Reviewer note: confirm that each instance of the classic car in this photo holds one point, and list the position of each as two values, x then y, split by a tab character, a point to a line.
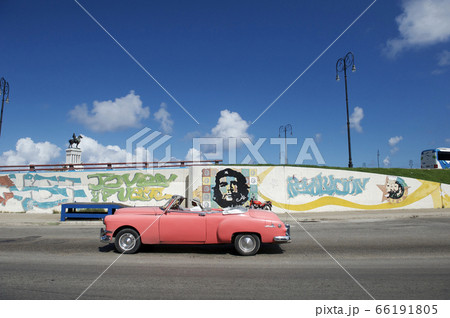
131	227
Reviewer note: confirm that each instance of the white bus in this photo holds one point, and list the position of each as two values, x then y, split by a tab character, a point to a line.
438	158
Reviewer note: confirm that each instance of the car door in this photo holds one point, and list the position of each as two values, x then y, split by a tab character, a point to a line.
182	227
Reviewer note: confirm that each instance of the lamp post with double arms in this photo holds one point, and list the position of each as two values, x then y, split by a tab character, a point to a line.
341	65
4	91
286	128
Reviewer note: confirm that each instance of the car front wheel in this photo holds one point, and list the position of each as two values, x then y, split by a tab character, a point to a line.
247	244
127	241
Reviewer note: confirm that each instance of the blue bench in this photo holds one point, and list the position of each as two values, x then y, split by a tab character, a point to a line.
81	210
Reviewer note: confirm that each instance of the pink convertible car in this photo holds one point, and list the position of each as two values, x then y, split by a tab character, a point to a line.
172	224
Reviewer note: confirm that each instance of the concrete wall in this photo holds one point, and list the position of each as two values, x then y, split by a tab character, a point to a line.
289	188
44	192
445	195
304	189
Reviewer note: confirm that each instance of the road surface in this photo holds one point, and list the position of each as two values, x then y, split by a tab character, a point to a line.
397	258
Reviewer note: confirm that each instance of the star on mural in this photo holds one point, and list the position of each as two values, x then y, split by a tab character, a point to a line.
394	190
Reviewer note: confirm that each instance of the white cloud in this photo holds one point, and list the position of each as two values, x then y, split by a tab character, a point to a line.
94	152
194	155
123	112
230	125
438	71
444	58
387	161
443	61
318	137
163	116
355	119
422	23
29	152
393	141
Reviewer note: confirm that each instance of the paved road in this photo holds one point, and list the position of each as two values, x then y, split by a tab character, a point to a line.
403	258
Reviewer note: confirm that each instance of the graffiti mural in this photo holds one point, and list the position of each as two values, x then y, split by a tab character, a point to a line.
326	185
288	188
394	190
228	187
5	181
39	191
123	187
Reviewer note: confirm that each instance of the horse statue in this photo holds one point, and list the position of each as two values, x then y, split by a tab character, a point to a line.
75	140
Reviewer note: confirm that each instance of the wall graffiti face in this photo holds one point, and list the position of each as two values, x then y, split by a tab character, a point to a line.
326	185
228	187
394	190
231	188
140	187
39	191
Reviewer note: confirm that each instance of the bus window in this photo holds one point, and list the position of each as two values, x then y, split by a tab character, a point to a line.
443	156
438	158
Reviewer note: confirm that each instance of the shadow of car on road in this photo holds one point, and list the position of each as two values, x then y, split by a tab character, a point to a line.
214	249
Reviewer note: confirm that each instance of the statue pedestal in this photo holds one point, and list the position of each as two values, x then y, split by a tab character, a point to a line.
73	156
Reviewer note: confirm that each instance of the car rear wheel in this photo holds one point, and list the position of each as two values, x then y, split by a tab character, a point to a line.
127	241
247	244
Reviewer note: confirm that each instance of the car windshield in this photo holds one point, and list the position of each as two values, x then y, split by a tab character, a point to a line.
165	205
173	202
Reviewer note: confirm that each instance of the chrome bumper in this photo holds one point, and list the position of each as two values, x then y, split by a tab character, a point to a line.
286	238
282	239
104	237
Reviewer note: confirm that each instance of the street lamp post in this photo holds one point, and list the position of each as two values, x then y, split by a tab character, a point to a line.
285	128
341	65
4	90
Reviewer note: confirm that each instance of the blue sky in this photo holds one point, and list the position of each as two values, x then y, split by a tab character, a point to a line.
225	63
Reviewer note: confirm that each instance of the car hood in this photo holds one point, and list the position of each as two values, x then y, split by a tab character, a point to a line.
264	215
139	210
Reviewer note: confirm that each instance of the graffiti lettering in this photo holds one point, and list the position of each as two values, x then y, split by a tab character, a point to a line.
39	191
141	187
147	194
110	180
6	197
325	185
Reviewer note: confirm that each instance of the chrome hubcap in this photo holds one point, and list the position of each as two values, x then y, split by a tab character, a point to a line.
247	243
127	241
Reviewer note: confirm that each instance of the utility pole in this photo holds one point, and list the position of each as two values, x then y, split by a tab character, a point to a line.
378	158
4	91
341	65
285	128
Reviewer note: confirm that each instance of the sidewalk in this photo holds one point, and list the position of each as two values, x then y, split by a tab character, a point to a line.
36	219
363	215
40	219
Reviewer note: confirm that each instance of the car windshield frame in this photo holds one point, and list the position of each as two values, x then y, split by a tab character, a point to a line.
171	201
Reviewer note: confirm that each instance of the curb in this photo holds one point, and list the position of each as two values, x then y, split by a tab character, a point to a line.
45	219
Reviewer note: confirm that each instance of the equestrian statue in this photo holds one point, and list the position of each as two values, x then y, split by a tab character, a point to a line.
75	140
